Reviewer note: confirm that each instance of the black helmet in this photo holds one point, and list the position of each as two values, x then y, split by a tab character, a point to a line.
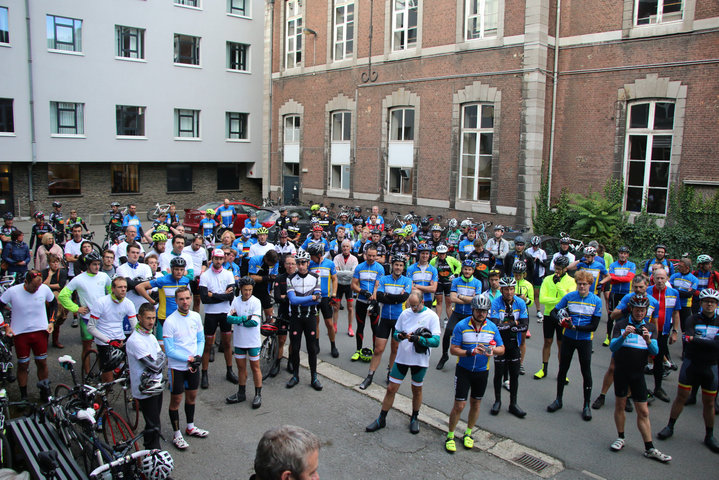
56	204
641	301
115	204
424	221
317	249
623	249
178	262
421	332
358	209
8	216
246	281
93	257
561	262
519	267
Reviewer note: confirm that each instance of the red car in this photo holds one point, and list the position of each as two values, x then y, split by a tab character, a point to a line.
194	215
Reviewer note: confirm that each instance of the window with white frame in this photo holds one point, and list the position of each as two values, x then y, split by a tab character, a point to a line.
4	27
475	162
404	24
67	118
238	7
293	34
187	49
188	3
237	56
130	121
236	124
291	146
130	42
481	18
648	151
650	12
340	149
7	124
64	33
187	123
400	154
344	29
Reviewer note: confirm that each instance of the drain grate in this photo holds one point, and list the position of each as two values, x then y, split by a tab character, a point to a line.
531	462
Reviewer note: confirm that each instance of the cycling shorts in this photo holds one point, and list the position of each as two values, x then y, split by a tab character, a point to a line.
346	291
195	286
31	341
551	327
625	381
443	289
325	307
466	381
213	320
253	353
385	328
264	298
103	355
181	380
399	371
704	376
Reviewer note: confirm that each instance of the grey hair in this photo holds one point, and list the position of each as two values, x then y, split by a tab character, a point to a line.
284	448
419	296
346	241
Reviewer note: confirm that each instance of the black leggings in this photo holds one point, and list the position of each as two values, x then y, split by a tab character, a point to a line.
614	299
151	408
308	326
504	365
361	316
584	351
449	330
658	369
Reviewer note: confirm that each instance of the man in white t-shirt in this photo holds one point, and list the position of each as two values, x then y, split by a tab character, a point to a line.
72	250
262	246
197	252
135	273
112	318
30	325
246	315
178	245
416	330
184	342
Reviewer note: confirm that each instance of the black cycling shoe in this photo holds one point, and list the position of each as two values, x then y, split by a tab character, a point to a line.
315	383
414	426
661	395
586	413
599	402
629	407
495	408
237	397
231	377
665	433
292	382
204	382
554	406
366	383
712	443
442	361
516	411
212	354
376	425
275	368
257	401
334	352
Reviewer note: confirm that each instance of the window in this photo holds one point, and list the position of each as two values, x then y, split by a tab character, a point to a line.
4	27
649	12
237	56
237	126
475	163
188	3
130	42
341	135
63	179
648	156
228	176
481	18
291	147
293	34
124	178
292	129
64	34
130	121
187	123
179	177
238	7
401	124
344	29
187	49
400	155
6	116
67	118
404	24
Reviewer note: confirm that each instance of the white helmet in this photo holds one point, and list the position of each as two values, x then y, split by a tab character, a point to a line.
158	465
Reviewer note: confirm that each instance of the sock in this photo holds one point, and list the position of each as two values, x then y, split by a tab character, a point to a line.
258	390
190	425
468	432
204	372
672	421
620	434
175	420
450	435
332	344
189	412
370	373
544	366
415	413
23	392
383	414
710	431
177	434
648	445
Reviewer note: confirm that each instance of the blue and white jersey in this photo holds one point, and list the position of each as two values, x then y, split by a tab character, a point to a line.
582	309
622	270
652	311
684	283
393	286
423	276
467	337
226	215
597	270
468	287
325	270
367	276
499	309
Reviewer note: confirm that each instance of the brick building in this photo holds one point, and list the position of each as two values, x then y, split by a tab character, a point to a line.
470	104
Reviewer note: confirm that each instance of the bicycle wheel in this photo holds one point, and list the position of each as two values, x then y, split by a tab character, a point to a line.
115	429
131	408
92	360
5	452
152	215
268	355
106	218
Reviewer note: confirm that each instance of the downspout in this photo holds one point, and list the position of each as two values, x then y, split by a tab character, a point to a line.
271	114
33	141
554	104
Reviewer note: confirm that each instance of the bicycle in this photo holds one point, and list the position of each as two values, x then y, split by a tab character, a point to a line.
270	345
126	466
575	245
482	229
159	208
106	216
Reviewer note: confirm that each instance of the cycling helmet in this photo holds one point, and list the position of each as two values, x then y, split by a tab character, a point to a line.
162	228
210	211
115	358
535	241
452	223
178	262
481	302
561	262
424	221
640	301
565	240
623	249
93	257
262	231
314	207
246	232
499	227
324	209
302	256
120	237
590	251
704	259
56	204
594	244
8	216
357	221
373	309
158	237
658	246
358	209
366	355
398	231
294	215
436	227
39	214
398	257
408	217
317	228
157	465
421	332
284	234
466	223
317	249
408	230
442	248
247	280
507	282
115	204
519	267
424	247
151	385
519	240
344	214
468	263
268	329
563	313
709	294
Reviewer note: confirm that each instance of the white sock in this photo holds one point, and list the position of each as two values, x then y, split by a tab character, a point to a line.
190	426
178	434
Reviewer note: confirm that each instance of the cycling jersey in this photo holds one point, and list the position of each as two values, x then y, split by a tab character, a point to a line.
393	289
242	336
183	336
242	247
668	266
259	250
453	238
704	348
116	222
133	221
166	287
300	290
348	227
467	287
327	224
466	336
286	249
483	263
512	319
207	226
423	276
685	285
324	270
37	231
581	309
58	224
553	289
540	257
226	215
622	275
367	275
447	269
89	289
111	319
632	352
597	270
253	227
310	241
512	257
526	289
465	248
498	248
217	283
652	311
668	303
400	247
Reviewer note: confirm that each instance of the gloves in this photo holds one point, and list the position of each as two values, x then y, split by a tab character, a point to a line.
116	344
513	329
566	322
249	323
195	364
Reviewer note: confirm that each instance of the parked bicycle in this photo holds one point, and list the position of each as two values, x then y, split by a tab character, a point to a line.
152	214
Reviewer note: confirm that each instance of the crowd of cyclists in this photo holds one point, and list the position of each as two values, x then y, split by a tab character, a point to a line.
419	284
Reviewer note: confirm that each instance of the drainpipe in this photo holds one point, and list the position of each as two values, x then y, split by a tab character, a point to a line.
554	103
271	114
33	141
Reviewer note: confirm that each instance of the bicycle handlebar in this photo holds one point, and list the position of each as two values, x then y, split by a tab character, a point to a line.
95	474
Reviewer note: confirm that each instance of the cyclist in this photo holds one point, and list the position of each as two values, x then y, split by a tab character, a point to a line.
453	234
73	219
115	223
111	316
7	227
335	244
699	366
365	281
279	290
263	270
16	255
327	273
345	264
33	307
132	220
284	248
509	313
660	252
184	343
525	291
316	237
225	214
325	221
466	246
283	221
262	246
55	277
39	229
423	275
178	246
539	269
304	294
146	361
518	255
483	261
197	252
158	225
246	314
417	330
565	246
707	277
400	245
633	340
686	284
464	289
157	247
293	229
344	222
498	246
589	264
448	268
392	291
474	340
217	290
58	223
380	218
252	223
493	279
357	214
553	288
356	232
173	219
667	323
578	312
134	272
621	273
